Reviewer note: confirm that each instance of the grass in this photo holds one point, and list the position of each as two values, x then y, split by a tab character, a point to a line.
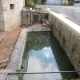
20	77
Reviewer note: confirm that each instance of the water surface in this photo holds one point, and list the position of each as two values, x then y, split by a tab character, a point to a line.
44	54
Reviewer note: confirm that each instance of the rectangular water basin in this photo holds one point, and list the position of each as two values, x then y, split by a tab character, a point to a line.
43	53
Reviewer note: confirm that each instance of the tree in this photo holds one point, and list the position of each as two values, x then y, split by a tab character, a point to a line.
35	1
71	2
43	1
29	3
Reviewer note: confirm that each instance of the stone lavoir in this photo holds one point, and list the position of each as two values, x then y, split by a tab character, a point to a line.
44	54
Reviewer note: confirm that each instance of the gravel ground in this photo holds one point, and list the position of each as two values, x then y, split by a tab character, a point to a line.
70	12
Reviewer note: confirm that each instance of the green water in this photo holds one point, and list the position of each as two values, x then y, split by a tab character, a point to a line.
44	54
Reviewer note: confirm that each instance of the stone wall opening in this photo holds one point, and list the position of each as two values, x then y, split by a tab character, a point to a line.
11	6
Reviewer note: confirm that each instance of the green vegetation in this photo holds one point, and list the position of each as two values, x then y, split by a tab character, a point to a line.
51	25
71	2
37	39
29	3
43	1
35	1
18	70
20	77
72	79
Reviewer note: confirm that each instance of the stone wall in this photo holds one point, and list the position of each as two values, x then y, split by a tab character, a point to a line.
26	17
68	35
12	13
1	17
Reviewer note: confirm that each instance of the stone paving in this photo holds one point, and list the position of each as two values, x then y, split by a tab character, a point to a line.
7	41
2	35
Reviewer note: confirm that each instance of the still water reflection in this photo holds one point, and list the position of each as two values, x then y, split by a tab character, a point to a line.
44	54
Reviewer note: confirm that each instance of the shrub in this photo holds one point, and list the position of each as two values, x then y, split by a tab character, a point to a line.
35	1
71	2
26	1
43	1
30	3
20	77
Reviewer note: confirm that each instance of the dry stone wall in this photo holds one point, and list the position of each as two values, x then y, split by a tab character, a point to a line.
68	38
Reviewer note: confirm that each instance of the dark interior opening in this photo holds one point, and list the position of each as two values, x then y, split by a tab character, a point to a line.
11	6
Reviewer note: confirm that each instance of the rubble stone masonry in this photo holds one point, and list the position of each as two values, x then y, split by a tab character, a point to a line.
10	13
1	17
68	37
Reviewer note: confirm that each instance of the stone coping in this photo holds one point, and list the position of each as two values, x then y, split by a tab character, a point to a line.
74	27
4	75
39	29
16	57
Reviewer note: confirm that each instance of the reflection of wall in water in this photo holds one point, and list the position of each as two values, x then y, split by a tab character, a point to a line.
61	58
38	40
25	60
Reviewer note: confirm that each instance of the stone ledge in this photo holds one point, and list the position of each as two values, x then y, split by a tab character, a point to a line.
71	25
16	57
40	29
4	74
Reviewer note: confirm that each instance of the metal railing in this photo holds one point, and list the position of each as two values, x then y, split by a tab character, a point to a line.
17	73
